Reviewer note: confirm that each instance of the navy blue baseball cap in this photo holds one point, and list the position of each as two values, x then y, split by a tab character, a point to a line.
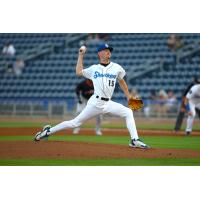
104	46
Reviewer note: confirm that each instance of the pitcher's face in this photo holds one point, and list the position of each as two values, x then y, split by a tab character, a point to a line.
104	54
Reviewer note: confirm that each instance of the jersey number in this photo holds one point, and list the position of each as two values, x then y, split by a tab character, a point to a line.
111	83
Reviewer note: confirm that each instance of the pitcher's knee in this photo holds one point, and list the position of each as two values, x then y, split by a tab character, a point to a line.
129	112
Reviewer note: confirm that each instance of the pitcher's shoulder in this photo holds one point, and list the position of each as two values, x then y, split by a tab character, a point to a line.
116	65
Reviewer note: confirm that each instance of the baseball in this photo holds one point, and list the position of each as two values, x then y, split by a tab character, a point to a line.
83	48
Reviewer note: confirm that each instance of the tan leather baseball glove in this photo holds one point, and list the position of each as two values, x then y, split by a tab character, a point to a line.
135	104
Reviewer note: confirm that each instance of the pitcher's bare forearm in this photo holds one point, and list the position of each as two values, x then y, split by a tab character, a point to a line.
79	65
124	87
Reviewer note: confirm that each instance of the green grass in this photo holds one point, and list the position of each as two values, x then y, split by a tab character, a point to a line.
179	142
142	126
110	162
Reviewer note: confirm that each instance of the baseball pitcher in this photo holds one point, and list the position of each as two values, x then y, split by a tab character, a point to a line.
104	76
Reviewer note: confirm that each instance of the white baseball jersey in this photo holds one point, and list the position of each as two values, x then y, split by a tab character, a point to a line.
104	78
194	94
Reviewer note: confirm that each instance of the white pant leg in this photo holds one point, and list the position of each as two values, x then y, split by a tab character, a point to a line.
190	118
119	110
88	112
98	123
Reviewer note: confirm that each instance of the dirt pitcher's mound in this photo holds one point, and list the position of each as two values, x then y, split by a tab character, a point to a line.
84	150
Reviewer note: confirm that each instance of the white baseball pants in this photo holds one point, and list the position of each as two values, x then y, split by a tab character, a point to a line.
96	107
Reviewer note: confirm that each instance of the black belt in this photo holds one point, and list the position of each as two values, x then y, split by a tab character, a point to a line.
103	98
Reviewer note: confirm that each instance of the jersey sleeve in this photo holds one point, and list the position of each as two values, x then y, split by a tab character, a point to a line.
87	73
121	73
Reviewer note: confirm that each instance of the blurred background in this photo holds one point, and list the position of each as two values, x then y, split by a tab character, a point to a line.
37	71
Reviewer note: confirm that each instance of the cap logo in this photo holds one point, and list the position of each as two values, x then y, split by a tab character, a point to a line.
106	45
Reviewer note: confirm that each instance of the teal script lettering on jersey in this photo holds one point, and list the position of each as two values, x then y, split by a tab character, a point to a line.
107	75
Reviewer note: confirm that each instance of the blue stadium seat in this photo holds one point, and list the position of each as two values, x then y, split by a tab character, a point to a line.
53	76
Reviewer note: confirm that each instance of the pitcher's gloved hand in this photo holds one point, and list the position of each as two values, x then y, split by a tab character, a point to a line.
135	104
